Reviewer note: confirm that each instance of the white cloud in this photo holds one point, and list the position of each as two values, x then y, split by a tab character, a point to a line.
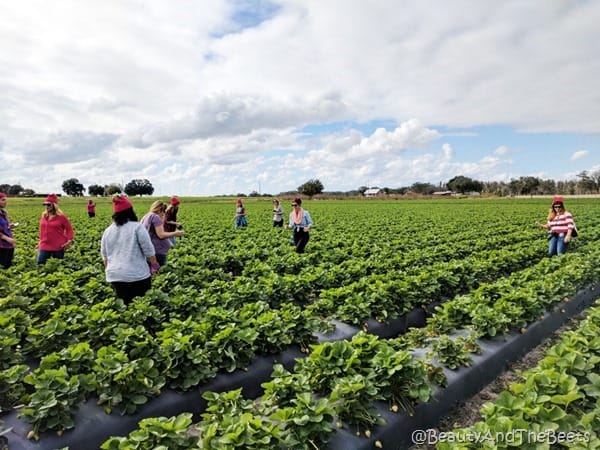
502	151
579	154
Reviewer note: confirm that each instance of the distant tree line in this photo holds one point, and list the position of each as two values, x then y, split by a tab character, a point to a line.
74	188
587	182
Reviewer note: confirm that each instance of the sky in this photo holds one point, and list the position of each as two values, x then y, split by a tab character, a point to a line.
219	97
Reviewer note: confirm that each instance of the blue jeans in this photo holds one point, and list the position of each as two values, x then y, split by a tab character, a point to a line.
44	255
557	245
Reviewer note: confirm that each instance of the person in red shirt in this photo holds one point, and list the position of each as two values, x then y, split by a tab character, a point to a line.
91	208
56	232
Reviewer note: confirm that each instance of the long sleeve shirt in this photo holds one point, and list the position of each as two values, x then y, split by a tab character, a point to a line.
55	232
125	250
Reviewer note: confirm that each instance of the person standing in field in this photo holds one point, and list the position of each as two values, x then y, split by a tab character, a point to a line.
127	252
239	219
170	223
301	222
560	226
277	214
56	233
7	240
91	208
153	221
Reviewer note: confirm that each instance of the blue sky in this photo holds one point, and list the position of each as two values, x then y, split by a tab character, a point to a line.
232	96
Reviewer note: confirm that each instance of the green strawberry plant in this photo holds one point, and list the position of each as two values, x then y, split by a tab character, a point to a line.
160	433
125	383
55	400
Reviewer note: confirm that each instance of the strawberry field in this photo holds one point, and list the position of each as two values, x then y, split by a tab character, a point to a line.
242	343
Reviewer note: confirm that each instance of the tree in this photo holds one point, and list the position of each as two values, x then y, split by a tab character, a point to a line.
589	182
73	187
15	189
139	187
95	189
112	189
423	188
464	184
311	187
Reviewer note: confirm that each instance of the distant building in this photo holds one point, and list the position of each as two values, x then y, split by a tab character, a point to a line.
373	192
443	193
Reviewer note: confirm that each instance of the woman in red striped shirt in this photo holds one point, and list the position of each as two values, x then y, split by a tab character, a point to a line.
560	225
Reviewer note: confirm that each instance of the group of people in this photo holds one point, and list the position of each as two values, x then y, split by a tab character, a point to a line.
299	221
133	251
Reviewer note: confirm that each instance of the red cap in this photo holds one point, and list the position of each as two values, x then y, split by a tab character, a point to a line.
51	198
556	200
175	201
121	203
239	201
2	195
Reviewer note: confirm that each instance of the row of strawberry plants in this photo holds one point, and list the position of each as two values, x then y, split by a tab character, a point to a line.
297	410
129	365
343	373
555	405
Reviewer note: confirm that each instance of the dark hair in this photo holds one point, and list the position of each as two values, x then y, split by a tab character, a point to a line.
122	217
298	201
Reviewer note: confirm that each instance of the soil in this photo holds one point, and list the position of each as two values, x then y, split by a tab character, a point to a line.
467	413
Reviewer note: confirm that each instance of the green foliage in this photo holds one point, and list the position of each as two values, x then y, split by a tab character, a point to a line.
139	187
311	188
225	298
160	433
73	187
55	400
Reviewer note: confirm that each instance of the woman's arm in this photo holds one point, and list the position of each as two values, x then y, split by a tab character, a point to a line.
162	234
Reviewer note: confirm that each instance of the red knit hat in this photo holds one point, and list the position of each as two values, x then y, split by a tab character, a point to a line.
556	200
51	198
239	201
2	195
175	201
121	203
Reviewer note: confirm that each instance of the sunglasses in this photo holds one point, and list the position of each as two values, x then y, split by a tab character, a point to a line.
294	204
47	204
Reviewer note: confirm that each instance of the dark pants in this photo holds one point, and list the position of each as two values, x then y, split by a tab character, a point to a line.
278	223
161	259
91	214
128	290
44	255
6	257
300	239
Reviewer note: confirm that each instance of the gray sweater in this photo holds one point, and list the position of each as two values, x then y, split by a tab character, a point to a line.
126	249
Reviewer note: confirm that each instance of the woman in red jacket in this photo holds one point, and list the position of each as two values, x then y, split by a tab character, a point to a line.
56	232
